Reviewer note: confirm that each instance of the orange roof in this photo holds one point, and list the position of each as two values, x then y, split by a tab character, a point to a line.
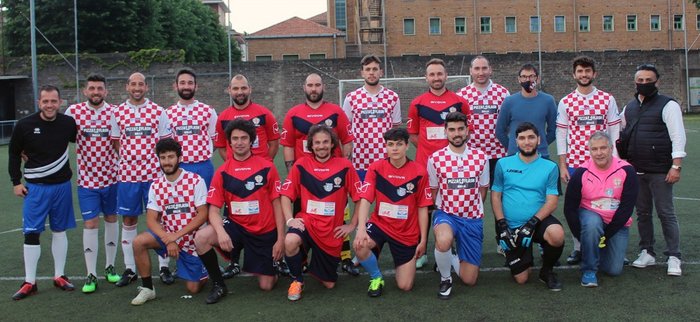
295	26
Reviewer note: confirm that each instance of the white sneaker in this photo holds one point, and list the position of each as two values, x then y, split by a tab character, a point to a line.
644	260
421	261
145	295
674	266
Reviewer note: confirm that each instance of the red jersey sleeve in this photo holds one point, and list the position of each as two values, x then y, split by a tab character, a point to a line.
425	198
215	196
467	110
368	187
220	136
354	181
272	128
288	132
344	129
290	186
273	179
413	123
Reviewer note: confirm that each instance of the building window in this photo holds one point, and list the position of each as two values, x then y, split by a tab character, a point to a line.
511	25
678	22
655	22
409	26
559	24
534	24
485	25
697	22
631	22
340	19
290	57
263	57
434	26
460	25
608	23
317	56
584	23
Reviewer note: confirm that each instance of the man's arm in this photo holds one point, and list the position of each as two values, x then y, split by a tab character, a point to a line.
347	150
673	117
572	202
14	164
288	152
272	148
551	121
497	205
502	123
278	247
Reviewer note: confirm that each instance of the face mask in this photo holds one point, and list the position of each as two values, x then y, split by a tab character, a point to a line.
528	86
646	89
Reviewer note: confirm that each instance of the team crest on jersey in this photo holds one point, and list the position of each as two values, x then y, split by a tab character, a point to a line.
443	115
256	121
338	181
328	187
37	130
250	185
409	187
609	192
401	191
617	182
453	109
258	178
328	122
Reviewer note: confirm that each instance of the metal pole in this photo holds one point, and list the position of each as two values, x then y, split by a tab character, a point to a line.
687	71
77	66
539	43
386	61
32	33
230	68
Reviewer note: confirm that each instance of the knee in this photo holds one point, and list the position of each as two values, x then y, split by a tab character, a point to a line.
443	244
110	218
405	286
93	223
267	285
291	244
328	285
555	235
194	287
130	222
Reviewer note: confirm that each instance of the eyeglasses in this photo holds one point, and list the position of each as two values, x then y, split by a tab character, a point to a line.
646	67
524	77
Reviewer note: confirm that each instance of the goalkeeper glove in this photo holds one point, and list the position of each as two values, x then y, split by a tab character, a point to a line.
525	232
505	236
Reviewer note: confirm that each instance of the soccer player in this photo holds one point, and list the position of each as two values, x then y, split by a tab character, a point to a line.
43	138
580	114
426	117
136	126
400	218
524	195
247	186
177	207
322	182
372	110
97	178
459	176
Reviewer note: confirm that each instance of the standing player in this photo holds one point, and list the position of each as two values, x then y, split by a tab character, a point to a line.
136	126
580	114
524	195
426	117
97	178
177	207
400	217
322	182
43	138
246	185
459	176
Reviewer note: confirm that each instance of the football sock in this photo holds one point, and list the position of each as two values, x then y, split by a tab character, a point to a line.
371	266
550	255
31	259
163	261
577	244
90	245
455	263
59	249
128	235
294	264
444	262
147	282
211	263
111	239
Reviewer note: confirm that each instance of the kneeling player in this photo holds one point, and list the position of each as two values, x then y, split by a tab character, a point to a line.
323	183
176	209
400	218
246	185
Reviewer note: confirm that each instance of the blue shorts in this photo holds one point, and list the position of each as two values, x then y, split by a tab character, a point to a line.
132	198
257	258
322	265
204	169
52	200
401	253
468	232
95	201
189	267
361	174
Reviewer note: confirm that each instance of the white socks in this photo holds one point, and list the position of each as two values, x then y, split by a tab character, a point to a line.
128	235
111	242
444	263
31	259
90	249
59	249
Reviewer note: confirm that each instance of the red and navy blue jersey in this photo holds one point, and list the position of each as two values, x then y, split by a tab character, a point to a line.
266	128
301	118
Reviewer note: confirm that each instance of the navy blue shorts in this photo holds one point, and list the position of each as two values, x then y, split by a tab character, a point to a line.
48	200
189	267
95	201
257	258
520	258
468	232
322	265
401	253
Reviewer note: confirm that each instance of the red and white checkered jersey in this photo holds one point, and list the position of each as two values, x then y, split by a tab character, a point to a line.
178	202
194	126
458	178
266	128
138	128
96	158
485	107
370	116
582	115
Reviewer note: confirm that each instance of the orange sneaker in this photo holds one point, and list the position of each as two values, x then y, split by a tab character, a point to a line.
294	292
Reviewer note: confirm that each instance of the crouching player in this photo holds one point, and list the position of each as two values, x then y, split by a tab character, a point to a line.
176	208
400	218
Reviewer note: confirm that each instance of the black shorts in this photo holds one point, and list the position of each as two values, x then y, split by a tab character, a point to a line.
322	265
520	258
257	258
401	253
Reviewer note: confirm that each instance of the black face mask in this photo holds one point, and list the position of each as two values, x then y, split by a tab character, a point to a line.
646	89
528	86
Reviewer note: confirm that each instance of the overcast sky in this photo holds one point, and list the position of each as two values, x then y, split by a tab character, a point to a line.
253	15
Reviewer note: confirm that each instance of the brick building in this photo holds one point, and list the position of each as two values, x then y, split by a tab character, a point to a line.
295	39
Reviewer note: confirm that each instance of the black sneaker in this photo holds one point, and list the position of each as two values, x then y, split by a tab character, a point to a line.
445	289
350	268
217	292
550	279
127	277
166	276
281	267
230	271
574	258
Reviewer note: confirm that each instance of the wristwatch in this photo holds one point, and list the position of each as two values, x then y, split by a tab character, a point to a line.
676	167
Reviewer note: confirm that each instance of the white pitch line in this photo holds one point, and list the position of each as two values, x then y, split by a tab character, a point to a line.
20	229
684	198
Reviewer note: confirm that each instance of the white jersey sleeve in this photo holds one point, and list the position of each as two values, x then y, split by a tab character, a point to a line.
164	129
200	193
396	113
347	108
152	202
484	177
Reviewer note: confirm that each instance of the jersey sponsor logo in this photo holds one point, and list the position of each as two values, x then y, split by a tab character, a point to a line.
37	130
462	183
177	208
211	192
514	171
361	186
321	188
396	193
303	125
244	187
437	116
138	130
428	193
188	129
484	109
590	120
95	132
275	128
374	113
278	186
617	182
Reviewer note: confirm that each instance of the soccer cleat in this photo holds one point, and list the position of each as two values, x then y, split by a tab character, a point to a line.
445	289
166	276
350	268
127	277
63	283
25	290
110	275
90	284
574	258
281	267
588	279
145	294
674	266
645	259
231	270
376	285
550	279
217	292
421	261
294	292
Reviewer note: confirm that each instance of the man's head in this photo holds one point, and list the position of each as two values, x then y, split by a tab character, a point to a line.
313	88
456	129
528	77
240	134
95	89
169	153
321	141
186	83
137	87
480	71
527	137
239	90
646	80
371	69
435	74
600	147
49	102
584	71
396	140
